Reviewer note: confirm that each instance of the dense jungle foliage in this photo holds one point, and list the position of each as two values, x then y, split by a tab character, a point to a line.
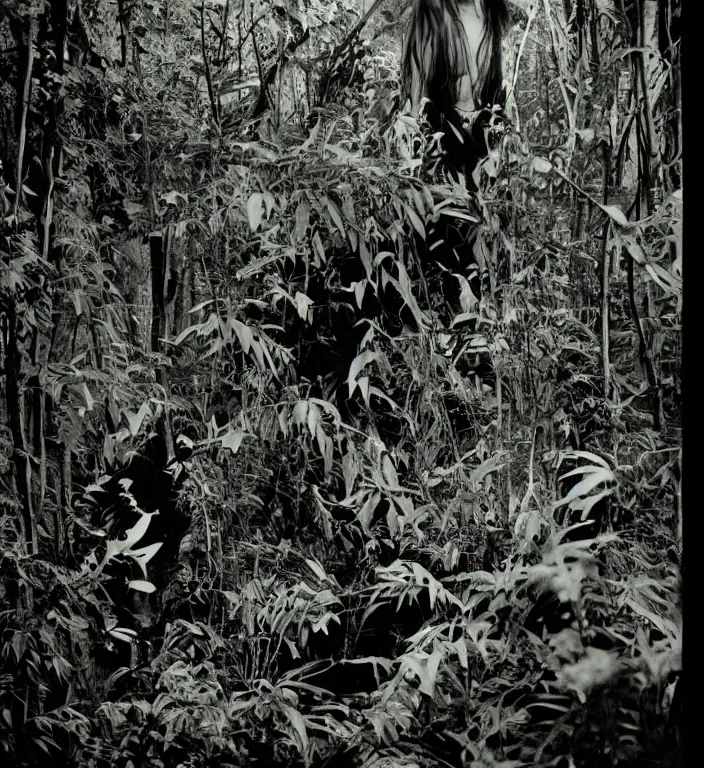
267	498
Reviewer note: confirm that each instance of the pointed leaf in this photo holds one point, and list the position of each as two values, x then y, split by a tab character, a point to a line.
586	485
420	668
541	165
300	412
299	726
232	439
303	305
135	420
255	210
317	569
366	513
415	221
138	530
244	334
362	360
336	216
125	635
615	214
359	290
143	555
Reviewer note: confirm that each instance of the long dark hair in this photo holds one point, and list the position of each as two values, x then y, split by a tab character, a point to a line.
436	54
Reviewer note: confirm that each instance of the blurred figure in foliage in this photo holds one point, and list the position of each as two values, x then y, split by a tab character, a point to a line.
451	73
452	78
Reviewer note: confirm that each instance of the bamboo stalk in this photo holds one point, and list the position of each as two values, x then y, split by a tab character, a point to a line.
25	110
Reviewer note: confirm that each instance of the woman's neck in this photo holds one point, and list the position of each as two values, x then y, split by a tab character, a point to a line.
474	30
472	5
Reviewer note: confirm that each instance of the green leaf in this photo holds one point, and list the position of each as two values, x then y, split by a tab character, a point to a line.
455	214
122	634
492	464
143	555
365	257
381	395
232	439
336	216
313	418
141	586
172	198
317	569
615	214
318	245
389	471
425	669
415	221
299	726
585	505
77	298
244	334
586	455
300	412
255	210
325	446
383	255
668	282
186	332
403	286
303	305
358	364
363	384
87	397
359	290
135	420
302	220
432	667
460	647
366	513
137	531
594	476
315	130
541	165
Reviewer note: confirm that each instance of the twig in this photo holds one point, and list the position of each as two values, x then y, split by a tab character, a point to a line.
605	295
221	44
530	490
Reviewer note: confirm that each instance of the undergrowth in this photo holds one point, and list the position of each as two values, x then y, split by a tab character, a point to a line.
404	533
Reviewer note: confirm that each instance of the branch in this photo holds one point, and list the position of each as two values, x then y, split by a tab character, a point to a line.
605	274
208	75
25	110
